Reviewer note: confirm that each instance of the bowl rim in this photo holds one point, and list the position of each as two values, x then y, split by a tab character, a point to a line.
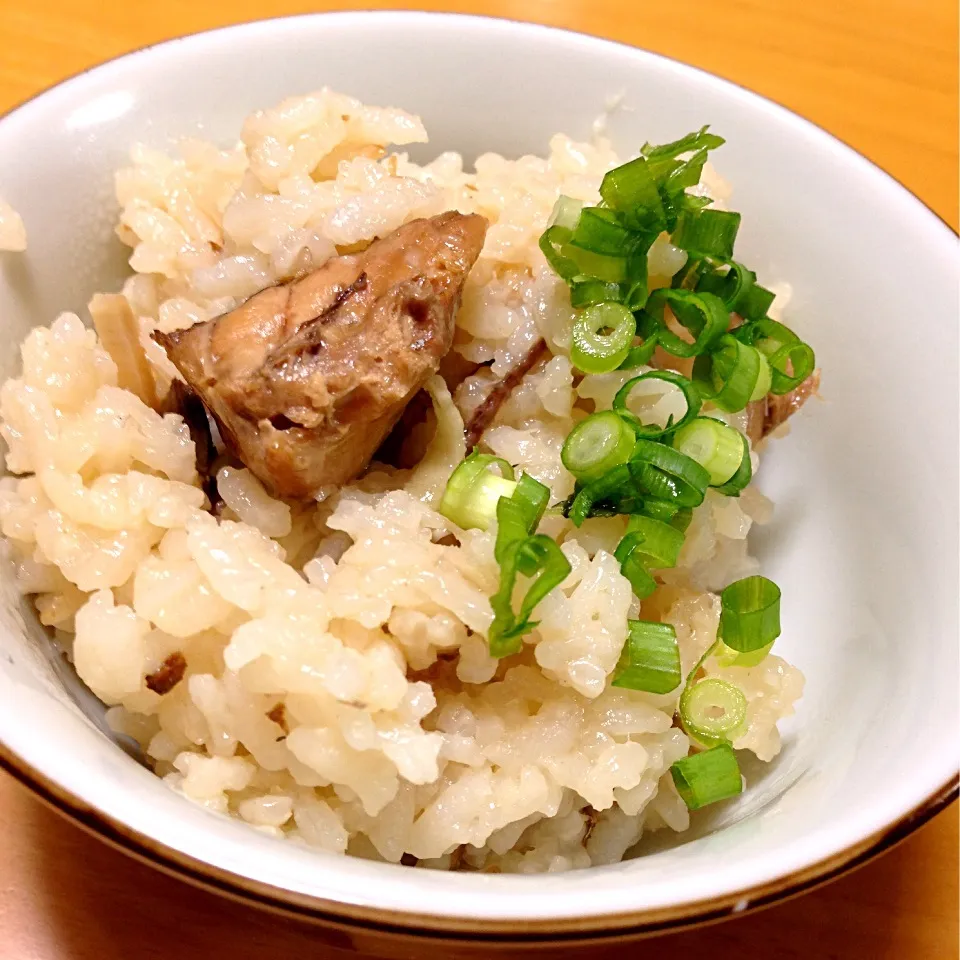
572	931
457	928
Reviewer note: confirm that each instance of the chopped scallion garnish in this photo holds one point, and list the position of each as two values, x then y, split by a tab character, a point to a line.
699	140
473	490
749	614
539	557
712	710
615	486
601	337
707	777
703	315
728	657
650	660
596	445
519	550
707	233
647	544
565	213
585	293
519	514
599	231
667	474
729	374
659	541
791	360
715	446
743	474
651	431
633	566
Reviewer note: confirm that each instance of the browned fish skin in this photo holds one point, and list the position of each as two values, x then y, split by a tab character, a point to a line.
489	407
306	378
168	675
768	413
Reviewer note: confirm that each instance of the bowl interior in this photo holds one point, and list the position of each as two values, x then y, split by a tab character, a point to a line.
864	536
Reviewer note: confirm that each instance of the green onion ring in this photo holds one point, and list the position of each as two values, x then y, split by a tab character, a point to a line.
703	314
597	444
728	375
699	703
667	474
690	394
594	352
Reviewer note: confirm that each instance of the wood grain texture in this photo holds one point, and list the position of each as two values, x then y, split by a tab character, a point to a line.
880	74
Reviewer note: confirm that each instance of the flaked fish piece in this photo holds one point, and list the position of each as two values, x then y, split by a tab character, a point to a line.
770	412
305	379
119	333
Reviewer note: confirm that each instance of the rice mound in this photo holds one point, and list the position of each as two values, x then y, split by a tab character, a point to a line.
336	686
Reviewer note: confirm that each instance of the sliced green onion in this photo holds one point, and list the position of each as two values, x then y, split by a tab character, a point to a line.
730	281
728	657
587	292
699	140
743	475
552	242
729	374
659	541
615	485
512	525
755	302
764	379
678	517
682	175
668	474
611	268
599	231
661	510
534	497
632	191
539	557
650	660
749	614
690	202
715	446
712	710
639	356
596	445
633	565
519	514
707	233
565	213
791	360
790	366
690	395
705	778
637	285
473	491
702	314
594	351
519	550
766	334
688	277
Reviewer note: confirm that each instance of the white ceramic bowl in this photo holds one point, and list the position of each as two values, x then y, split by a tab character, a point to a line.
864	541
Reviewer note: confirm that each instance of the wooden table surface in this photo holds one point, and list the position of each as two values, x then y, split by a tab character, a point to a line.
880	74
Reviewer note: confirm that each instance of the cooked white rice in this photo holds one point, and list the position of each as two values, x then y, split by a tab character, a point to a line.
338	689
